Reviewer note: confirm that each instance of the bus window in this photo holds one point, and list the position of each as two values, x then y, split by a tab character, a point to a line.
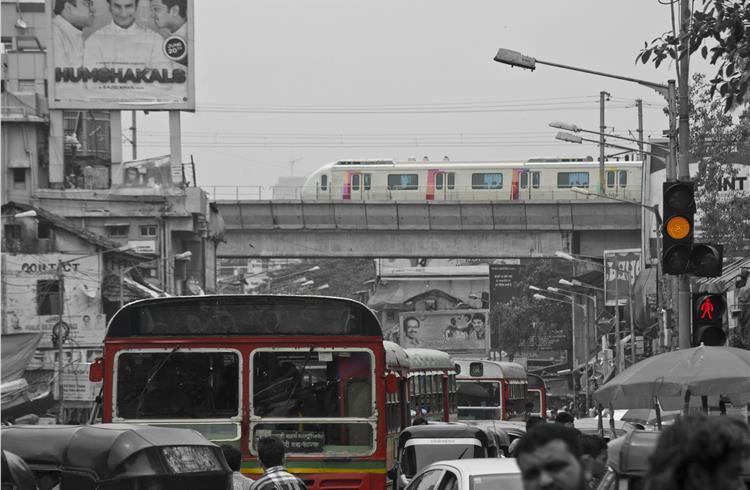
177	385
315	387
479	400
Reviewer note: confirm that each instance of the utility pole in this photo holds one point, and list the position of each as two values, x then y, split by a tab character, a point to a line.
133	136
639	105
60	340
602	128
683	168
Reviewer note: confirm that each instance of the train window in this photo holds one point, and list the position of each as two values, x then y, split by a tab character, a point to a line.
487	181
535	180
572	179
323	182
524	180
439	181
367	181
355	182
610	178
623	178
451	180
403	182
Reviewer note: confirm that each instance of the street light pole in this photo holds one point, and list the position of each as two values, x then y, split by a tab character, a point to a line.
602	128
60	340
669	92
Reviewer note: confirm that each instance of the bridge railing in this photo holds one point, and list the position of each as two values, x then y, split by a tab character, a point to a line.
542	193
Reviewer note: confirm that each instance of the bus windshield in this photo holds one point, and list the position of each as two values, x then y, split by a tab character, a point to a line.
478	400
318	385
177	384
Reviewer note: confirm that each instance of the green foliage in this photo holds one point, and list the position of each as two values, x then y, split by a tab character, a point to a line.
524	316
715	137
718	29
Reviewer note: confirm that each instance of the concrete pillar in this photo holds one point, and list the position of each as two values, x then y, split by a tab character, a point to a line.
115	142
56	150
175	146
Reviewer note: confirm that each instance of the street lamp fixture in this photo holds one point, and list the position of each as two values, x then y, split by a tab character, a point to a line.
576	129
26	214
577	283
534	288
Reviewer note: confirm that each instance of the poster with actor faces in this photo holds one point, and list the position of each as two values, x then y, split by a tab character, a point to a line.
464	332
121	54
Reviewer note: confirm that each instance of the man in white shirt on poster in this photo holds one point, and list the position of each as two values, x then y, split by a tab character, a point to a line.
123	43
71	16
171	15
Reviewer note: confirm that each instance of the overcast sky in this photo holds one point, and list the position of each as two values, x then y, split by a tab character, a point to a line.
341	79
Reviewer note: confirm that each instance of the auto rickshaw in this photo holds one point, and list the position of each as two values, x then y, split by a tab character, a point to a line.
422	445
118	457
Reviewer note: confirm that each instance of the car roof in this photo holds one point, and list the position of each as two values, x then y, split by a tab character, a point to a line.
481	466
442	430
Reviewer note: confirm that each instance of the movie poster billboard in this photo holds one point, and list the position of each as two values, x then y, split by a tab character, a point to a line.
621	267
121	54
462	332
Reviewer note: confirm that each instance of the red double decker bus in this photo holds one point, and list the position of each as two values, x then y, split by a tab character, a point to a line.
308	370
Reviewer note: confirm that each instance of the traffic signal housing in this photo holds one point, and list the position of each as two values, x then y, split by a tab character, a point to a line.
708	319
706	260
677	230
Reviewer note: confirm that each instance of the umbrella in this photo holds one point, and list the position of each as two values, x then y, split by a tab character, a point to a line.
700	371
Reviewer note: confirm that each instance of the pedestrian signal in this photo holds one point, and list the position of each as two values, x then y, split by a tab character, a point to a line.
677	229
708	319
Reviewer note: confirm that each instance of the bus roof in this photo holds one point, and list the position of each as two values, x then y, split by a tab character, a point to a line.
492	369
429	359
265	315
395	356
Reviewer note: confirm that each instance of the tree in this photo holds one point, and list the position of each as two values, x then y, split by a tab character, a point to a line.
715	139
524	317
719	29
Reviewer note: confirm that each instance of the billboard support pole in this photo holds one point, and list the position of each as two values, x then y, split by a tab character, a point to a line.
115	146
175	143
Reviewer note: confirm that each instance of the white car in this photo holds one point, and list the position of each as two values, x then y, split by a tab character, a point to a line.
469	474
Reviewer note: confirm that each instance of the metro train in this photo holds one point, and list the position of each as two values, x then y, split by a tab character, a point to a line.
539	179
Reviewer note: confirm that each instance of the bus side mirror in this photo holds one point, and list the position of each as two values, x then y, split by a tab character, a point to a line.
391	383
96	370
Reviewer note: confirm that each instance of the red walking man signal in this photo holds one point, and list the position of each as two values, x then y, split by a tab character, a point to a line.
707	309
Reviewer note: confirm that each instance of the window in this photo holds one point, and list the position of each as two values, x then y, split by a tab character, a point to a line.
355	182
19	178
148	230
487	181
623	178
48	297
177	385
403	182
451	180
442	178
535	180
525	180
610	178
117	230
439	181
323	182
43	231
367	180
12	232
572	179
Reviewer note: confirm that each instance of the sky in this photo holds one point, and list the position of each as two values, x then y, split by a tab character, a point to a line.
310	82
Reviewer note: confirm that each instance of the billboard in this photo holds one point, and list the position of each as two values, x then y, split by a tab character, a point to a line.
621	268
121	54
150	176
452	331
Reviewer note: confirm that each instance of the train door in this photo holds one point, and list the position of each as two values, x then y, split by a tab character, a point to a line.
360	186
617	181
445	185
528	183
